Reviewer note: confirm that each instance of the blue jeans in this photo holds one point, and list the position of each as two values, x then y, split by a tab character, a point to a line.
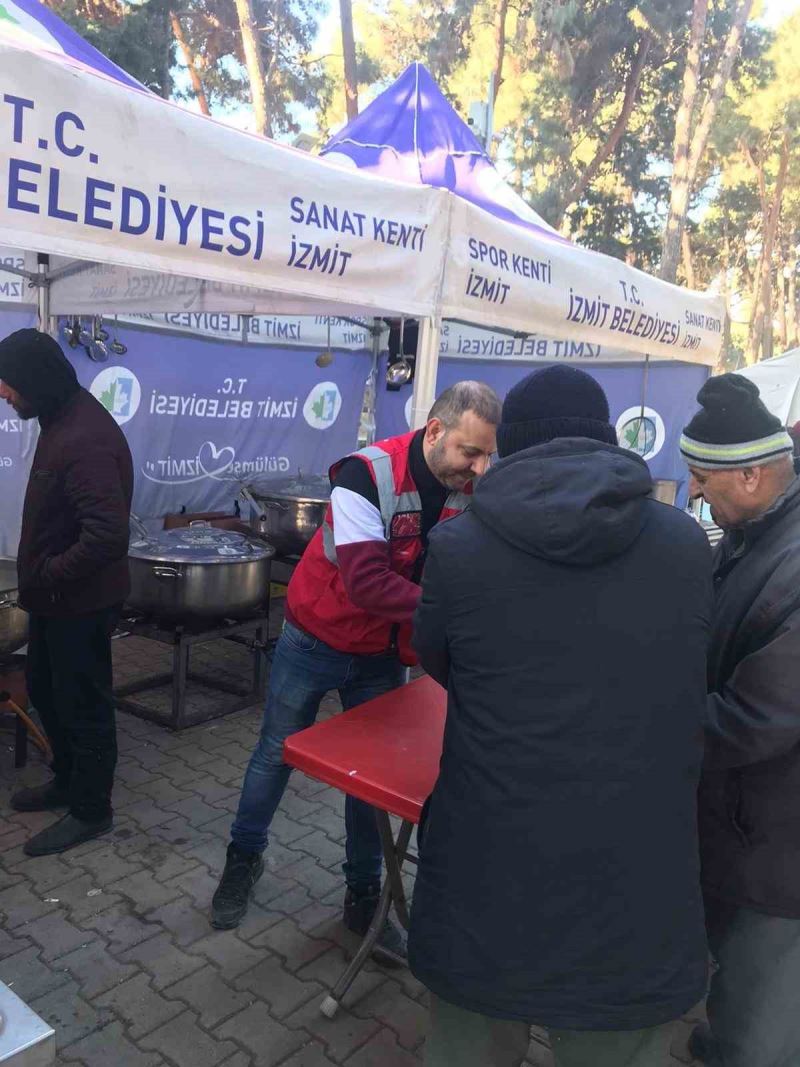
753	1003
303	671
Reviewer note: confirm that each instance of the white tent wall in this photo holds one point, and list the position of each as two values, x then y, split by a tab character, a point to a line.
778	381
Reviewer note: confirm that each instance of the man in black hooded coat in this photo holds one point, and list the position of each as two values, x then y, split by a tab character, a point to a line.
73	578
567	615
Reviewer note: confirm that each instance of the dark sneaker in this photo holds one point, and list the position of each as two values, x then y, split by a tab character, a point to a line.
359	910
703	1046
242	871
47	797
64	834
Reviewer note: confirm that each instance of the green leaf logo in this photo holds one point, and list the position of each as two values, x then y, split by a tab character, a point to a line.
108	396
5	15
632	432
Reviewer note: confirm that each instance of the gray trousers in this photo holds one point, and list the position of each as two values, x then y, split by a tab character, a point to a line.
754	1003
460	1038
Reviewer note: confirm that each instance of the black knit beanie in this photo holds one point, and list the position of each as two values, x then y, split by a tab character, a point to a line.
32	363
733	428
553	402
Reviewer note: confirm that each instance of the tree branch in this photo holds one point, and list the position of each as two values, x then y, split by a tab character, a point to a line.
607	148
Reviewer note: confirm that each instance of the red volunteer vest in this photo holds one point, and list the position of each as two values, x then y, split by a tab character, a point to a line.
316	598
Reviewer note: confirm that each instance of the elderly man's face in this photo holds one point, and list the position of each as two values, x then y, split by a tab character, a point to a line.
12	397
734	497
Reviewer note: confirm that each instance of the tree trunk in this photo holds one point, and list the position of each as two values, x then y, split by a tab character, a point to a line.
780	293
189	60
613	139
349	53
725	294
680	190
255	66
686	256
733	44
761	322
791	311
500	17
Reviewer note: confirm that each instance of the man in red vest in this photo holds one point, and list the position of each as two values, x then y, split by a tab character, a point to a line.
348	625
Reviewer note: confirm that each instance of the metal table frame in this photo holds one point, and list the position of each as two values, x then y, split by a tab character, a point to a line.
393	894
252	633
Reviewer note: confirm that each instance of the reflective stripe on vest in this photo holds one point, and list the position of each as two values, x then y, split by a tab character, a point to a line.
328	544
390	502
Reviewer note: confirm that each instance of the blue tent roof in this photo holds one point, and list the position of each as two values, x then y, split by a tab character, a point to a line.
412	132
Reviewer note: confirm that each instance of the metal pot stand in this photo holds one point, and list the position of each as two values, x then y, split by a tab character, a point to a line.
252	633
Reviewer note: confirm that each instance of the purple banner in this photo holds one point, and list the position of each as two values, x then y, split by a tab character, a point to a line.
204	417
670	392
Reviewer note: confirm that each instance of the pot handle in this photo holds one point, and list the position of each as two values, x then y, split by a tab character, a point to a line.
166	572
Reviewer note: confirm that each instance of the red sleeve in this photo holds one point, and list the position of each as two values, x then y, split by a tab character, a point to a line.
371	583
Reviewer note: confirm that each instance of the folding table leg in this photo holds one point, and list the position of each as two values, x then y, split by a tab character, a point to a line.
394	854
392	893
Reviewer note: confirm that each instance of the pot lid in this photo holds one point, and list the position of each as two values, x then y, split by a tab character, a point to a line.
8	575
315	488
199	543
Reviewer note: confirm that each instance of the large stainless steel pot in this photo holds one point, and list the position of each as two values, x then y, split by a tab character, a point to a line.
13	620
287	512
198	572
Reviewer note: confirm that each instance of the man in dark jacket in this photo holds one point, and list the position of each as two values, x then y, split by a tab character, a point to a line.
73	578
740	459
567	614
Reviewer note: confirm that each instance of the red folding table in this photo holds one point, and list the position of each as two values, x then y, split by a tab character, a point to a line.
387	753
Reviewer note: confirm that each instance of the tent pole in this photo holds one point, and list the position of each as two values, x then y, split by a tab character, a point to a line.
372	384
43	293
426	371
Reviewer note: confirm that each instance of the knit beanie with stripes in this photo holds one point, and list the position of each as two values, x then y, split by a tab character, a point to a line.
733	428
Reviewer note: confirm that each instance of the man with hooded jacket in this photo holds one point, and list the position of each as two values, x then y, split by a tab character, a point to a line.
73	578
567	614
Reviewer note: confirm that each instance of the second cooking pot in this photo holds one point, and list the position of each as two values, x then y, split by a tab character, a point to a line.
198	572
13	620
288	511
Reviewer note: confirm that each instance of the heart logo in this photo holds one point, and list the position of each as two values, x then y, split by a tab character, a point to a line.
214	461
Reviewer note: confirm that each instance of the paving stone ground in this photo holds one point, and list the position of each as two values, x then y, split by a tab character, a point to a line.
111	944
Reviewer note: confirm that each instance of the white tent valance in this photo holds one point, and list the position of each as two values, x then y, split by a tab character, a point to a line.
178	211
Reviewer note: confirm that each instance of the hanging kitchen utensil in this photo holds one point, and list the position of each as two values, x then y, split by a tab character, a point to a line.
116	346
400	371
324	359
72	329
85	336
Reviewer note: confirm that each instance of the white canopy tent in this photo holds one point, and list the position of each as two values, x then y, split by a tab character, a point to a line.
142	206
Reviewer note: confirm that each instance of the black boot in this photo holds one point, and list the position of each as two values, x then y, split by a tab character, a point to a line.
359	910
64	834
242	871
703	1046
47	797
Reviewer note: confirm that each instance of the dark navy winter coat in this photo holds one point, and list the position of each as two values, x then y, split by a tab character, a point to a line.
567	614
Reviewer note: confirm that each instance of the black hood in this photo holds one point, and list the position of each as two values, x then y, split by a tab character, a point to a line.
573	500
32	363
